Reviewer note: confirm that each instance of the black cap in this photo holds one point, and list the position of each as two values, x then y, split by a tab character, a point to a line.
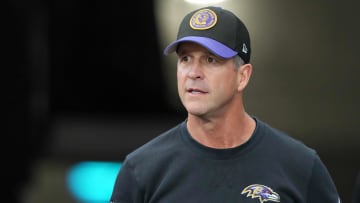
217	29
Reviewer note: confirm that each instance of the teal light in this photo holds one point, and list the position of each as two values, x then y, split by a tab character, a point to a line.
91	181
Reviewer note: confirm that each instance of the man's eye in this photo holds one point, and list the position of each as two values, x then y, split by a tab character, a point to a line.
184	58
211	60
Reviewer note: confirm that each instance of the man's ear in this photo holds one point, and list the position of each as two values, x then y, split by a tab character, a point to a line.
244	74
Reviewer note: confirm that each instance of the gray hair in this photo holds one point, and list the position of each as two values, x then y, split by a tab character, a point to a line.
238	61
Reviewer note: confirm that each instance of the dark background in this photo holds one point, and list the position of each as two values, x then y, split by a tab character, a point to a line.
86	82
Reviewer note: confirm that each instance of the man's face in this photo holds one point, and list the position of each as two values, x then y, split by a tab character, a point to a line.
207	84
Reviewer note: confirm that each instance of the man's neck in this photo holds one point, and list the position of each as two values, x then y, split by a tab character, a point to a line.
222	132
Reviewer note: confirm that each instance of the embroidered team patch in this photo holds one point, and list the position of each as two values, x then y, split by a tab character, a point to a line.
262	192
203	19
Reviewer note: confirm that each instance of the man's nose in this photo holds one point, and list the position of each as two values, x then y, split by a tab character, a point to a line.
195	70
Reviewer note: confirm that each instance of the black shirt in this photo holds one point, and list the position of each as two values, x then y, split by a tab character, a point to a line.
270	167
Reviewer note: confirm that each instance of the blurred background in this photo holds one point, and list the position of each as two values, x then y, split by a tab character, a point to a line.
88	83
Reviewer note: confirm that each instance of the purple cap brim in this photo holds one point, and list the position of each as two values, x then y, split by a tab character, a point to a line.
212	45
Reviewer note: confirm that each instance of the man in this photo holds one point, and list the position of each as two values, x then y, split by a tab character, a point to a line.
220	153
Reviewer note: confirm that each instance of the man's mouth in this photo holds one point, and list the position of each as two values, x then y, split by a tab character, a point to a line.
195	91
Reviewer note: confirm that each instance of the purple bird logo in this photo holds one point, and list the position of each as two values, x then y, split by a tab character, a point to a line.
262	192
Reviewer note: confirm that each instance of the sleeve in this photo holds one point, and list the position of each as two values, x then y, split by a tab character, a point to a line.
126	188
321	186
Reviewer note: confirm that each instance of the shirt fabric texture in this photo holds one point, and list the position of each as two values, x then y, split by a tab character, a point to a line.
175	168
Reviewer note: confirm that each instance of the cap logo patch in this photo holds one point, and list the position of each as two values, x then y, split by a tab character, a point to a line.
244	49
203	19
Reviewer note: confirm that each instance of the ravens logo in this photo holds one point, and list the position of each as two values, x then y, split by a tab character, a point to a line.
262	192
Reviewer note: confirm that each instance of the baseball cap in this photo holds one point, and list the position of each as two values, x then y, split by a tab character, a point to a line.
217	29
